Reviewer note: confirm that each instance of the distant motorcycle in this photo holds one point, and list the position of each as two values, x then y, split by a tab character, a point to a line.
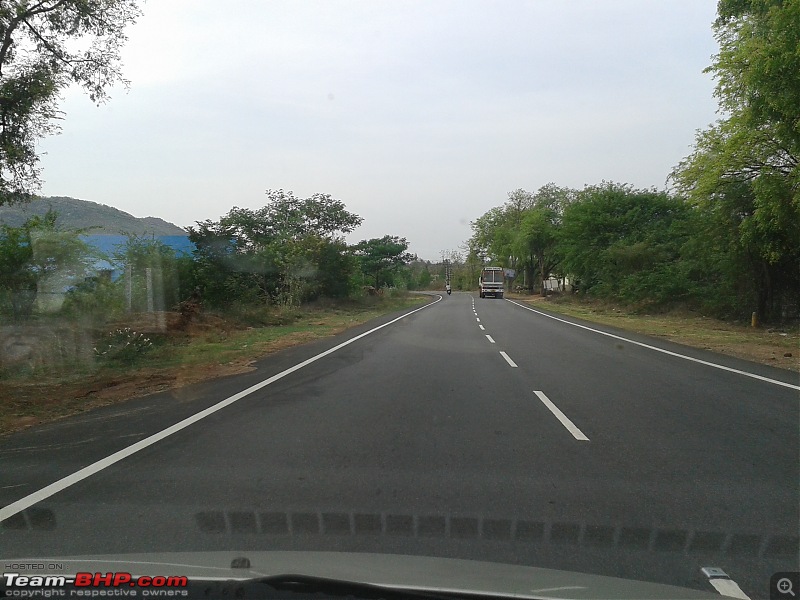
448	289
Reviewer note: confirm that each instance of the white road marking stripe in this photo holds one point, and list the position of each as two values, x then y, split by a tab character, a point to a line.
508	360
96	467
488	337
643	345
482	327
477	319
576	433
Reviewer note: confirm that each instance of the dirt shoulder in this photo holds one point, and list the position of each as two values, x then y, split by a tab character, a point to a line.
210	347
773	346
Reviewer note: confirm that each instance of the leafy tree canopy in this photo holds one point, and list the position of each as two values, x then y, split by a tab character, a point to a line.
744	172
46	45
288	250
379	256
288	218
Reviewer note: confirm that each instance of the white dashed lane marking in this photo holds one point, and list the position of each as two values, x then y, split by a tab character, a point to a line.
576	433
662	350
508	359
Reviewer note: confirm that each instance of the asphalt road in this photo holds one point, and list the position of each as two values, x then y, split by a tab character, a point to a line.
472	428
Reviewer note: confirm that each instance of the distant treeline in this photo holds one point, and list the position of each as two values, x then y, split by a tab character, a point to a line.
728	238
289	252
641	247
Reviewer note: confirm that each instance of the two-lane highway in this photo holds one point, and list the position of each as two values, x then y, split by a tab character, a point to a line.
470	428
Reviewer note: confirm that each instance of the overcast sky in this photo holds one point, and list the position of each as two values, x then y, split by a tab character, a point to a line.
419	116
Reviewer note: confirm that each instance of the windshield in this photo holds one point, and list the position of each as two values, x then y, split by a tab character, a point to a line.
512	283
492	276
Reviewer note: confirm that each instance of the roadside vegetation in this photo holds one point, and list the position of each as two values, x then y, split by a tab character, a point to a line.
77	323
81	328
724	239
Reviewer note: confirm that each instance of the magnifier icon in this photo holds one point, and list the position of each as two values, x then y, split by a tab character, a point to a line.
784	586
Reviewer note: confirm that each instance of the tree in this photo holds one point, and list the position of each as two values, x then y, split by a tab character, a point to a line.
335	266
224	271
282	252
380	257
424	279
758	66
624	243
744	169
537	239
34	254
493	236
46	45
288	218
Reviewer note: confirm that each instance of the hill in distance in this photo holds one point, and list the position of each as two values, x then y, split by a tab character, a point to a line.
82	214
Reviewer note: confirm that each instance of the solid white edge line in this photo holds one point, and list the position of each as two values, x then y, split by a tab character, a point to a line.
482	327
488	337
57	486
662	350
508	359
570	426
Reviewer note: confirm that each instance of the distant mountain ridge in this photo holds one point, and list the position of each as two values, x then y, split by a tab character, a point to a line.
83	214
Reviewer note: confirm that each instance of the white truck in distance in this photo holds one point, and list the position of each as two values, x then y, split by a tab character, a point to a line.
492	282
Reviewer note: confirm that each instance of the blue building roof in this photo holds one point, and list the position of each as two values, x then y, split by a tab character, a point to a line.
109	244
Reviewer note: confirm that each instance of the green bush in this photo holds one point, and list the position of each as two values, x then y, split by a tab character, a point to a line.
98	299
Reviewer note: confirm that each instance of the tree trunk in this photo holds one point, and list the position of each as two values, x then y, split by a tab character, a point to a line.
544	275
764	293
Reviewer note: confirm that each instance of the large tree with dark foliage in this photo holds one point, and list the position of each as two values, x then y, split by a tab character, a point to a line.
285	252
380	257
